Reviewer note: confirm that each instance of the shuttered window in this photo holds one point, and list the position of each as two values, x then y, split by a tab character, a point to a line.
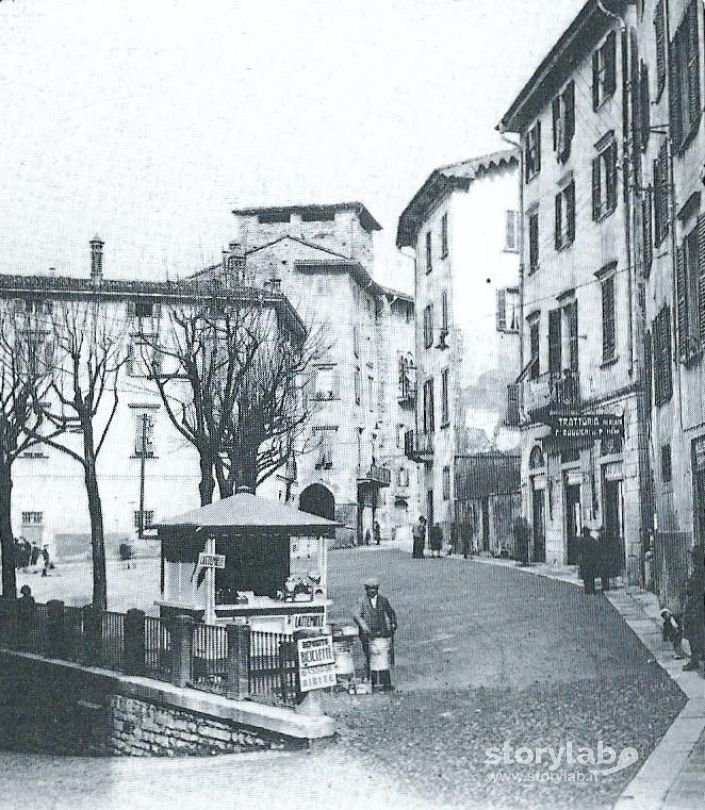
428	416
647	225
532	151
563	110
554	343
644	104
428	326
535	369
429	252
661	195
660	34
513	404
690	292
649	370
604	71
663	380
501	310
684	87
445	411
444	236
604	181
609	344
533	242
571	316
565	216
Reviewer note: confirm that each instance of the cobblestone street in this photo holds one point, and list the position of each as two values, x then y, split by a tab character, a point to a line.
486	655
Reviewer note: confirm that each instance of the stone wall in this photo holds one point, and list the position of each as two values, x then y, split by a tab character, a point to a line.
64	708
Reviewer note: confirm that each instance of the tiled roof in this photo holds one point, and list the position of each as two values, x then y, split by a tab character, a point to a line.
443	180
246	511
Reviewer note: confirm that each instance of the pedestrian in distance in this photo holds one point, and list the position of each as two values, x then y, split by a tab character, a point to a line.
419	536
466	533
436	539
608	556
46	559
377	623
25	617
694	613
377	533
35	553
588	560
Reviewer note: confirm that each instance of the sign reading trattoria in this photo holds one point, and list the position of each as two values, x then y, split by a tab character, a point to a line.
586	425
316	662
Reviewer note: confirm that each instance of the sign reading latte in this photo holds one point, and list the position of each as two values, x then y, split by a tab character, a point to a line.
586	425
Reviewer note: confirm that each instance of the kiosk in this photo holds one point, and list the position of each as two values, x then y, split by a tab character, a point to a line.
246	559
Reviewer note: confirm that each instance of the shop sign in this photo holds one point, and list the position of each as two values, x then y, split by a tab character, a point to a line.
585	425
316	662
211	560
307	620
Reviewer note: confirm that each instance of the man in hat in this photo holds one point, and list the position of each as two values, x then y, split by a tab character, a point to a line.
375	618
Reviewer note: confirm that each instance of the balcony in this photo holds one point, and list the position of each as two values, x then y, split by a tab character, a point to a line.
418	446
406	394
376	476
551	391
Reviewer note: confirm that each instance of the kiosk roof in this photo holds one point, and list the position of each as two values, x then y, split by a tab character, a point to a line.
244	510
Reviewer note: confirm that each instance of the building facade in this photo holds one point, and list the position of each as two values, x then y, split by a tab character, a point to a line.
463	226
671	71
584	436
146	469
349	467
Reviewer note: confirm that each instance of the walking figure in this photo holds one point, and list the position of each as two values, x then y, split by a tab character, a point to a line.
377	623
47	560
419	535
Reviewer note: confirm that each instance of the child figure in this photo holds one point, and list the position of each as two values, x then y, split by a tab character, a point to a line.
673	632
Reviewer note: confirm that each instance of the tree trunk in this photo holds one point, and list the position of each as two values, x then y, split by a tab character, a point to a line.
206	485
95	510
7	540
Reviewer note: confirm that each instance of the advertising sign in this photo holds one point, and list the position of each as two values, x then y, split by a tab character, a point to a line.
316	662
211	560
585	425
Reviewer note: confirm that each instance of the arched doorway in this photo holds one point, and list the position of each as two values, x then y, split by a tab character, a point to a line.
318	500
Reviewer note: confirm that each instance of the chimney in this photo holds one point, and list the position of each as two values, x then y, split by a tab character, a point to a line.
96	244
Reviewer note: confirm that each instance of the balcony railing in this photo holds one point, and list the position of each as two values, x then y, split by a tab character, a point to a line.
381	476
406	394
551	391
418	446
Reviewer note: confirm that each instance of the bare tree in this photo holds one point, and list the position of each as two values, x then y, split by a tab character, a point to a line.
23	384
90	347
218	360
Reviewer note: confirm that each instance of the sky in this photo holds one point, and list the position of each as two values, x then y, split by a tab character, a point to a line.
148	121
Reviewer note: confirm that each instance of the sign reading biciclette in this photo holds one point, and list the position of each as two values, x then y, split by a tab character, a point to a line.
211	560
585	425
316	662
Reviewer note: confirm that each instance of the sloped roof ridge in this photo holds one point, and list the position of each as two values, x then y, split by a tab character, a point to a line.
482	161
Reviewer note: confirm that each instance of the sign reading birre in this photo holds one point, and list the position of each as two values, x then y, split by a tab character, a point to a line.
316	662
586	425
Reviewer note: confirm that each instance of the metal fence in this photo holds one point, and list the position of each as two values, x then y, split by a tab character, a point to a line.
272	666
266	663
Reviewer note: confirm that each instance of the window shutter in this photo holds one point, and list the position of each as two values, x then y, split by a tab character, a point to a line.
647	229
648	369
570	211
693	63
660	34
556	120
701	273
682	303
513	404
608	331
558	237
501	310
596	190
610	47
569	99
645	105
538	146
612	171
131	309
675	99
554	342
595	80
572	313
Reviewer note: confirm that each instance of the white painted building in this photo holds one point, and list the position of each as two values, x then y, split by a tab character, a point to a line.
463	225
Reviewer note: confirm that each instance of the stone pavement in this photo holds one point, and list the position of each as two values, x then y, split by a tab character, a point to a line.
673	776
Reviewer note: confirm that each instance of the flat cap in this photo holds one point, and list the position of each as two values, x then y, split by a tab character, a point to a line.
371	582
